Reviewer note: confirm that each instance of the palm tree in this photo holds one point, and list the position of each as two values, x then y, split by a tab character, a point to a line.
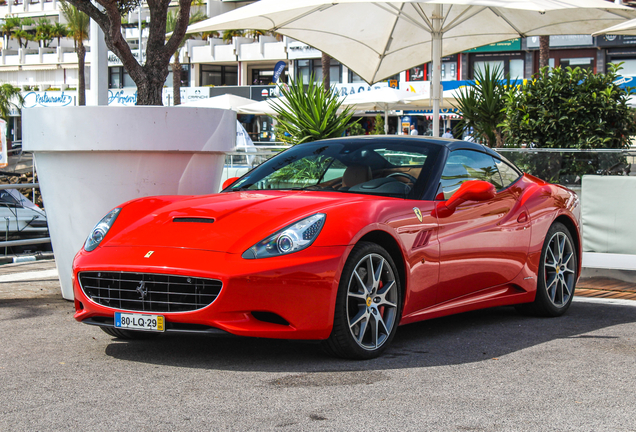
171	21
21	35
58	32
309	113
229	34
482	105
43	32
78	23
210	34
8	97
10	24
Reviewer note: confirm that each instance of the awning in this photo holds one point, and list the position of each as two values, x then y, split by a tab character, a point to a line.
40	67
9	68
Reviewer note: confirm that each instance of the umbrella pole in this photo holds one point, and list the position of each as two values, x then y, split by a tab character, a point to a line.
437	64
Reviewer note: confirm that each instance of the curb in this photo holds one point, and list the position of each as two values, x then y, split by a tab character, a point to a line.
26	258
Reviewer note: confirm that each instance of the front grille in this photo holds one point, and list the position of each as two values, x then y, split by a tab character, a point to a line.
146	292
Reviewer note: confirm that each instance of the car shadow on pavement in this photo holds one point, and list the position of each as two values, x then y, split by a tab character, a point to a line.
465	338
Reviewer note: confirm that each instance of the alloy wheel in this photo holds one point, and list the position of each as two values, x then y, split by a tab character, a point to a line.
372	299
559	269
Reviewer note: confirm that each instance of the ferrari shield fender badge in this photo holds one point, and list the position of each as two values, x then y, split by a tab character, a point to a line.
149	254
418	213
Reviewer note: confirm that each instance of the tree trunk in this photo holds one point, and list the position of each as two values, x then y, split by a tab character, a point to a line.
176	79
326	68
81	85
499	139
150	77
544	51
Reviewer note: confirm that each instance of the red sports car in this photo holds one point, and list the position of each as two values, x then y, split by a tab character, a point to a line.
338	240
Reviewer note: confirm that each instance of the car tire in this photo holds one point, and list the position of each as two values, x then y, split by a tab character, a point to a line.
368	304
128	334
557	275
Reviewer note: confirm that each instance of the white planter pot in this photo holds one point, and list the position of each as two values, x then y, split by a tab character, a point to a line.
91	159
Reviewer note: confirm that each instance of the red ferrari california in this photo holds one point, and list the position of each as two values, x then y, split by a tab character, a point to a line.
339	241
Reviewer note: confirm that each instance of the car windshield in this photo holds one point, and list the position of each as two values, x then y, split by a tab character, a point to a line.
386	167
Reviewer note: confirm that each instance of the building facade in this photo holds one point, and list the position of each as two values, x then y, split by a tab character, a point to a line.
47	73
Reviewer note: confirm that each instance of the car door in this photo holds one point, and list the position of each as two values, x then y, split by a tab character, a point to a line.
482	244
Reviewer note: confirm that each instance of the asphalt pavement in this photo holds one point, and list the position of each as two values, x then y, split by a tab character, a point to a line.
491	370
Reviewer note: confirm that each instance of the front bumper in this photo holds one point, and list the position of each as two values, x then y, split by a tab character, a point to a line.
301	288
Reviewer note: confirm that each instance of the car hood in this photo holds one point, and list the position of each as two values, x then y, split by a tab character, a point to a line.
227	222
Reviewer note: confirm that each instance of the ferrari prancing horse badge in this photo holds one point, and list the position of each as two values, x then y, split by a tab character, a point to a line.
418	213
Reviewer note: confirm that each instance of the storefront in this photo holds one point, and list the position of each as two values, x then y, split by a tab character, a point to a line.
573	50
450	70
620	49
505	55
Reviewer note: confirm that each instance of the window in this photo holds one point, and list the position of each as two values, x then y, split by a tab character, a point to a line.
416	74
481	66
510	64
465	165
127	80
118	78
114	78
304	69
509	175
583	63
449	71
629	66
516	69
354	77
185	77
218	75
357	166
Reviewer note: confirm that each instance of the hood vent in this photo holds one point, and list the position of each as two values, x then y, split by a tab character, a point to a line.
193	219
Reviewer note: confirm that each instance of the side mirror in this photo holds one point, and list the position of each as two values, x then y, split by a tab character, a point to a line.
473	190
228	182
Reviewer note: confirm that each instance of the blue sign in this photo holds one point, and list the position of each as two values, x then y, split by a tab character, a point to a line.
278	70
625	82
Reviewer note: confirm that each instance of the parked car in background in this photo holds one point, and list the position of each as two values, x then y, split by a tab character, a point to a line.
19	217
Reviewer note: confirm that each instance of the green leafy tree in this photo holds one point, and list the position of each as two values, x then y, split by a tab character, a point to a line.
482	105
569	108
309	114
177	69
151	75
378	125
78	25
10	98
356	129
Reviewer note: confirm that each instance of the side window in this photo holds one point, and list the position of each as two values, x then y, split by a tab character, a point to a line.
465	165
509	175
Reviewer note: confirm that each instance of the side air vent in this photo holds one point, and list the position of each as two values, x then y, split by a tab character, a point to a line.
422	239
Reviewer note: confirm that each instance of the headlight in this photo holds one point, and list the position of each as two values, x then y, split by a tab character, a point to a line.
101	229
288	240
